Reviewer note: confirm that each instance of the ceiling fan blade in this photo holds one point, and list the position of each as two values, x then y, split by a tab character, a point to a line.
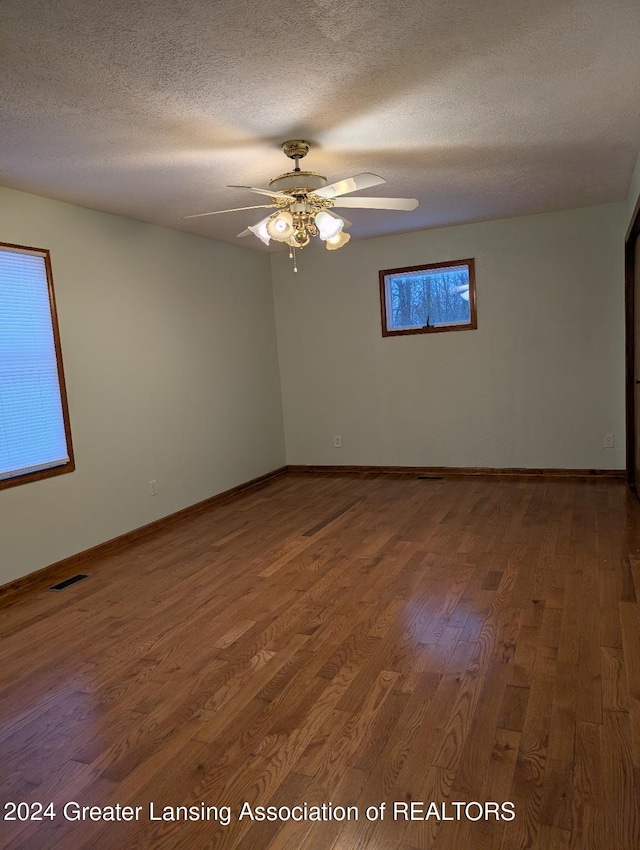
377	203
350	184
270	192
235	209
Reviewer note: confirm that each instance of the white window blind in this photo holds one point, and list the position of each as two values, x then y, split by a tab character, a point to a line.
32	427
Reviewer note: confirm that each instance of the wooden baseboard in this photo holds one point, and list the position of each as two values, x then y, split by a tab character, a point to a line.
49	575
457	471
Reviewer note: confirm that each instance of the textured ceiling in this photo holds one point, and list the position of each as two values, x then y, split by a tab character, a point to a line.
149	108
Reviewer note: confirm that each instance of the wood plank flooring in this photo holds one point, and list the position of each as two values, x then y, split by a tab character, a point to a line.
353	641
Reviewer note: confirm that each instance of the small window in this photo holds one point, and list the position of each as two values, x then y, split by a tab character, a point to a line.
35	438
428	299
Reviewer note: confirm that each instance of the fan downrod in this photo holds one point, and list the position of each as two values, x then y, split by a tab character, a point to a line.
296	149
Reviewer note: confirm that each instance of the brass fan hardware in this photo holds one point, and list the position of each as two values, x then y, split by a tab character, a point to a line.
296	149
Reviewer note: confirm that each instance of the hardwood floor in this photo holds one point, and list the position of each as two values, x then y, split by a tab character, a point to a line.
344	640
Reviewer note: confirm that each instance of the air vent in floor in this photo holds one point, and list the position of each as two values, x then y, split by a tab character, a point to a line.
69	581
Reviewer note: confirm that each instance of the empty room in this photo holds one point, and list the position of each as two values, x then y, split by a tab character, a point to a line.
320	425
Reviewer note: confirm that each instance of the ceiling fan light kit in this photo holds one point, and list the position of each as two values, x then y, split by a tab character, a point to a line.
280	226
260	230
303	205
328	225
337	241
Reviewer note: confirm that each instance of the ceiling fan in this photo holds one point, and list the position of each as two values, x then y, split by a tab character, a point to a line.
303	203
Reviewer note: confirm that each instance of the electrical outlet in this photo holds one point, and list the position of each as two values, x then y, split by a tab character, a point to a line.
608	441
337	442
153	488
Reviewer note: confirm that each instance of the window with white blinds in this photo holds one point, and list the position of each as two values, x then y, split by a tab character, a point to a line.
35	439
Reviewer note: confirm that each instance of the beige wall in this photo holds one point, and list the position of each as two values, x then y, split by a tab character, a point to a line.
537	385
171	361
171	364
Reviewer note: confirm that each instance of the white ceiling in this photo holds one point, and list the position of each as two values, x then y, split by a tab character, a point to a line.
149	108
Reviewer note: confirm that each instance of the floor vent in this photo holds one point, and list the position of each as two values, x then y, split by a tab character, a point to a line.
430	477
69	581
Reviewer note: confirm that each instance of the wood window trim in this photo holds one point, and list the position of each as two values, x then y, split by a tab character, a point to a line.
69	466
468	326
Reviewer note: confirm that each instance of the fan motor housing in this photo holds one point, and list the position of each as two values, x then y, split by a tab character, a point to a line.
303	181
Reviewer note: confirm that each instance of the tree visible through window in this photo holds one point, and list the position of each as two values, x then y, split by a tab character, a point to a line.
35	439
423	299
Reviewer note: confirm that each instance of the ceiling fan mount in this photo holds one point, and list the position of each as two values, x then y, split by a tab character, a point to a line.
296	149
